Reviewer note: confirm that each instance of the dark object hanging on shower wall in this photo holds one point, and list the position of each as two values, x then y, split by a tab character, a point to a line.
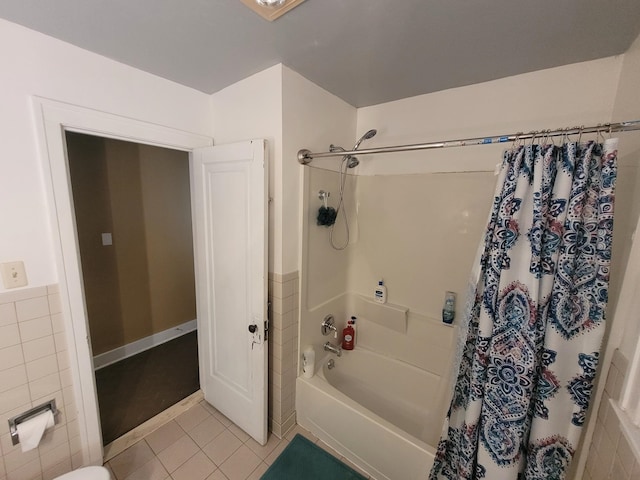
326	214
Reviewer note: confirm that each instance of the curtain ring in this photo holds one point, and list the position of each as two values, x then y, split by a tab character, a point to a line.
609	131
516	142
533	136
580	133
599	135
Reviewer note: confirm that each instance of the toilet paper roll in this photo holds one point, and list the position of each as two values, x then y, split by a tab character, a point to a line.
30	432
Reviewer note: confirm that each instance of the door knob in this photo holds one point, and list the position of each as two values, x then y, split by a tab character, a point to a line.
253	328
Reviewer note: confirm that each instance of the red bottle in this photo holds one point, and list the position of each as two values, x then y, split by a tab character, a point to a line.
347	337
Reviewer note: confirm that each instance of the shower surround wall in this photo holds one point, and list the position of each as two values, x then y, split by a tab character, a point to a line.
34	368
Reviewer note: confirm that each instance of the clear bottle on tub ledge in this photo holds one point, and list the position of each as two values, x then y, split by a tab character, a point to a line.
348	336
353	324
449	308
380	293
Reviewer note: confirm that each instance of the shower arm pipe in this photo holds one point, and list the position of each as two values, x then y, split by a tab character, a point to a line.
305	156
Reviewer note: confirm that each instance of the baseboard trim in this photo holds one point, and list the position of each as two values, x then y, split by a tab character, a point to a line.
107	358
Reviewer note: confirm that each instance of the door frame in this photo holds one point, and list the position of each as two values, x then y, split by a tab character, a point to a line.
53	119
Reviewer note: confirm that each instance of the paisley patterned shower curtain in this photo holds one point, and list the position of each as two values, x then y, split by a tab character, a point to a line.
535	318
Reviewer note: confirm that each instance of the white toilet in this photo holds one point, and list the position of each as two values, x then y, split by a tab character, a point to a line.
87	473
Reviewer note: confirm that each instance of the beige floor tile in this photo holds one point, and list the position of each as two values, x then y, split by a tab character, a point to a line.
206	431
258	472
152	470
208	407
269	459
238	432
217	475
302	431
192	417
240	465
134	457
263	450
164	436
197	467
223	419
222	447
177	453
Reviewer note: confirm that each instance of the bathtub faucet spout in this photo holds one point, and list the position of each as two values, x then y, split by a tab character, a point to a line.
329	347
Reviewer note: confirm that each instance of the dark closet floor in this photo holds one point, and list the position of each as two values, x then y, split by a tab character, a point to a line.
137	388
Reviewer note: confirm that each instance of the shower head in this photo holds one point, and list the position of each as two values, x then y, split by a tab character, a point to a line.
370	134
352	161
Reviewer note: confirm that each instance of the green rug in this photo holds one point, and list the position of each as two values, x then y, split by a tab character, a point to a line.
302	460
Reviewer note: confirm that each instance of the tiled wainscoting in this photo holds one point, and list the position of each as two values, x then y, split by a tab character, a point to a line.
610	456
283	351
34	368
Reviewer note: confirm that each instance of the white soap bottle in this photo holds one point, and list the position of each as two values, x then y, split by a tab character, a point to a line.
380	293
308	362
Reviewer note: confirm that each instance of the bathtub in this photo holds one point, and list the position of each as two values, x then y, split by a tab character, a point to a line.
382	414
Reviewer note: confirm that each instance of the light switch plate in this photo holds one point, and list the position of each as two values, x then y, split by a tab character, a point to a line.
13	274
107	239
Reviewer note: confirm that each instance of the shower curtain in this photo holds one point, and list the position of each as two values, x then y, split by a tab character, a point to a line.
535	317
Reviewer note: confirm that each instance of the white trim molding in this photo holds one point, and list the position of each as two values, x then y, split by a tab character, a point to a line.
112	356
52	119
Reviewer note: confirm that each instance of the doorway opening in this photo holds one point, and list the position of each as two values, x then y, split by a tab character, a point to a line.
132	206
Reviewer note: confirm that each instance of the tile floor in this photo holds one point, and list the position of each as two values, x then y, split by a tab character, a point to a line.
202	444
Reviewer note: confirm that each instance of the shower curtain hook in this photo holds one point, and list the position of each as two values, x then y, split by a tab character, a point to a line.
533	136
580	134
516	142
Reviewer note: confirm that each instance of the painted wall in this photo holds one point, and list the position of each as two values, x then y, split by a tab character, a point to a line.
34	64
248	109
438	217
609	451
581	93
144	282
627	107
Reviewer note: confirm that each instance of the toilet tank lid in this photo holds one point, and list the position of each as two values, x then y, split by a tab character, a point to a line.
87	473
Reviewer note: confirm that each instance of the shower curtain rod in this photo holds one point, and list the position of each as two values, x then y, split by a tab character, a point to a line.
305	156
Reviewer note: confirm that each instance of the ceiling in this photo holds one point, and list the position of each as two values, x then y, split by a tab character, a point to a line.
364	51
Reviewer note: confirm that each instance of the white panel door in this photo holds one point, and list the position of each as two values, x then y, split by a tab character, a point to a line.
230	187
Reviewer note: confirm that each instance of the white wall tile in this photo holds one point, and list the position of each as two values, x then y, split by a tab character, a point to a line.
57	323
30	470
9	335
61	341
36	328
52	457
11	399
42	367
7	314
11	356
12	378
45	386
32	308
54	303
16	459
39	348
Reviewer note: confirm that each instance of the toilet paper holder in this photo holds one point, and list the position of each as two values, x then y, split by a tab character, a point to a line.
23	417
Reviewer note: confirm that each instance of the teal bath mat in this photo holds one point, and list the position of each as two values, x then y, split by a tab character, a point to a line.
302	460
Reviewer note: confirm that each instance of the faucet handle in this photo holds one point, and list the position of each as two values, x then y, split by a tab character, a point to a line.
328	325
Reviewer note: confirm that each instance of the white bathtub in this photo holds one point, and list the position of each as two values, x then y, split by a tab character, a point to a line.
383	415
